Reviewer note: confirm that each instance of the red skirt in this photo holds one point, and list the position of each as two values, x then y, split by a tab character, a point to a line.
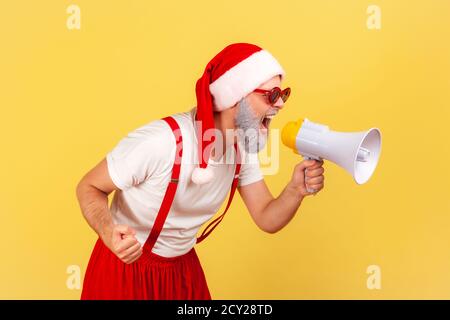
150	277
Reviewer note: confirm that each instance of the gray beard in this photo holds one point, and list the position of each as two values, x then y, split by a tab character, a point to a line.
248	128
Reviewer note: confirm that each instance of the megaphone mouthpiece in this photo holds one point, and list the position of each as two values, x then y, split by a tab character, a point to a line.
289	132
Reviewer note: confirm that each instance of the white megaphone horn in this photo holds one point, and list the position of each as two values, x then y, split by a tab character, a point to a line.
356	152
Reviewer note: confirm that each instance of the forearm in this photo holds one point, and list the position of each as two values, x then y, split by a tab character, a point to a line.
279	211
94	206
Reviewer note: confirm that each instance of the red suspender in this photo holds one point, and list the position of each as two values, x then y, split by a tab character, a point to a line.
219	219
171	188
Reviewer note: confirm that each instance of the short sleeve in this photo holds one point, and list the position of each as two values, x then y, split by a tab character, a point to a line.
142	153
250	170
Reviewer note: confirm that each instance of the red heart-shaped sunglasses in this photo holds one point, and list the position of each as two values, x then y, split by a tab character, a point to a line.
275	93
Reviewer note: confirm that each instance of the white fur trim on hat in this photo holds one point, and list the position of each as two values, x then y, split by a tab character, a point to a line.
243	78
202	175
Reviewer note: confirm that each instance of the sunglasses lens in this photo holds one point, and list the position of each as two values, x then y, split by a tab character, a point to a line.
285	94
274	95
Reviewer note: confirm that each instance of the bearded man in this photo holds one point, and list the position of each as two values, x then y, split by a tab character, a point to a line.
171	176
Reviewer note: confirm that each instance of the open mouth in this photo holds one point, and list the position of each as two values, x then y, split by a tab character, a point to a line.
265	122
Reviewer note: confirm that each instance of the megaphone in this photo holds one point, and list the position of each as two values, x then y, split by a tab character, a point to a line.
356	152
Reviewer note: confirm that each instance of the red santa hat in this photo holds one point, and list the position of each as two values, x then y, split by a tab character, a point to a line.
232	74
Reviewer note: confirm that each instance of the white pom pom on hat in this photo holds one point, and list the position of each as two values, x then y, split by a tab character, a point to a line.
232	74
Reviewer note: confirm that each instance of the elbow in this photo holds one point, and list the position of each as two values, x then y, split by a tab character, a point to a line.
78	189
266	223
271	229
82	194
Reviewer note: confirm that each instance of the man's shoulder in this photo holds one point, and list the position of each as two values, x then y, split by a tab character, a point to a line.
160	127
157	134
185	119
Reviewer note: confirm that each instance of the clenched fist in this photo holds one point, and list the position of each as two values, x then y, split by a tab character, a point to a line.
122	242
313	180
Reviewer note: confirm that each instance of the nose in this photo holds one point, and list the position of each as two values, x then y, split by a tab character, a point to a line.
279	104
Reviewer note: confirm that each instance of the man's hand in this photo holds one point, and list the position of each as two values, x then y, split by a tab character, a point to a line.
314	178
121	240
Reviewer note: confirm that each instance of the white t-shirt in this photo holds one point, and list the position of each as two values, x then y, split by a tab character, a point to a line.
140	165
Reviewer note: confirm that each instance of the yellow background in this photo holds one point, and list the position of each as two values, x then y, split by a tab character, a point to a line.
68	96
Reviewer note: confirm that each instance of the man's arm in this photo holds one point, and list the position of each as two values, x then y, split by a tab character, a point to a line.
272	214
92	193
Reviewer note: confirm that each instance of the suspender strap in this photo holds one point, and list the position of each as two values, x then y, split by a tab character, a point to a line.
212	225
171	188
